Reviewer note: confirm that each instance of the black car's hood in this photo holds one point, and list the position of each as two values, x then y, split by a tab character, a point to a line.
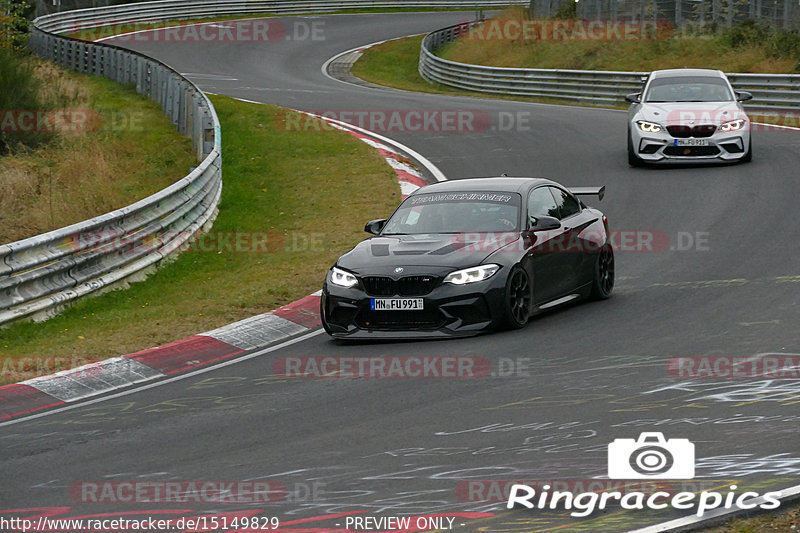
462	250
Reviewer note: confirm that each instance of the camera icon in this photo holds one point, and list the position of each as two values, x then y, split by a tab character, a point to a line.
651	457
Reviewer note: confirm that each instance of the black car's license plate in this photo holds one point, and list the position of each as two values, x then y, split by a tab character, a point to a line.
395	304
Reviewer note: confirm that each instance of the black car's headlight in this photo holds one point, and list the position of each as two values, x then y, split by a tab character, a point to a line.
471	275
343	279
649	127
733	125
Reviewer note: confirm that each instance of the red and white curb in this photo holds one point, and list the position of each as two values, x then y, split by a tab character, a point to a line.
188	354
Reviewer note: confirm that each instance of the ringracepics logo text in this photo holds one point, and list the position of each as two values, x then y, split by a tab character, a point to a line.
651	456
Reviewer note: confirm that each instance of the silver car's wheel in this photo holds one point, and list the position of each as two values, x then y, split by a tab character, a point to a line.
633	159
749	155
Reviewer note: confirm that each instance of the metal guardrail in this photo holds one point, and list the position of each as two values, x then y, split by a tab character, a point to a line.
770	91
41	274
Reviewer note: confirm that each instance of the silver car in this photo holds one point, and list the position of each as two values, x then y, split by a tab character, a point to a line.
686	116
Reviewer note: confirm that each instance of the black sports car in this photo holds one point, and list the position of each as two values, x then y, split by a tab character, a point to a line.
460	257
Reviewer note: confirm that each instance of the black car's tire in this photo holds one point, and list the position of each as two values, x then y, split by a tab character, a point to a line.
633	159
749	155
517	299
603	282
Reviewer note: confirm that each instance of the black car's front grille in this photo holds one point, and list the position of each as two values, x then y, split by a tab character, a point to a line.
683	131
406	286
690	151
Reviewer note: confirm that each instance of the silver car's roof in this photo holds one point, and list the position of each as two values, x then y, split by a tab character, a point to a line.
680	72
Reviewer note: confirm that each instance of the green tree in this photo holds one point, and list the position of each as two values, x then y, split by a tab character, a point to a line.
14	24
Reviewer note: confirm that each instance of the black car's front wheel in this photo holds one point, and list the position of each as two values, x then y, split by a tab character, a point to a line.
603	282
517	302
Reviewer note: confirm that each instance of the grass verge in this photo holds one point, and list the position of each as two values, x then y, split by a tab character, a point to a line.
288	188
786	520
395	63
112	148
744	48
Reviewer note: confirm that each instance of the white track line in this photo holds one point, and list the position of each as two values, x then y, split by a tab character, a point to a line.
680	523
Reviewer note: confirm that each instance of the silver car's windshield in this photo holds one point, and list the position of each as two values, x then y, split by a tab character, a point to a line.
688	89
455	212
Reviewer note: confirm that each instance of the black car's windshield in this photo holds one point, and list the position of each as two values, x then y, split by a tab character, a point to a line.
688	89
455	212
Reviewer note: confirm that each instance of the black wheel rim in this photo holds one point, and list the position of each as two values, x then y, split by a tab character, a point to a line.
519	297
605	271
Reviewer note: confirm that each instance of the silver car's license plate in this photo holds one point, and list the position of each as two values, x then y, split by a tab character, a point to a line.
691	142
395	304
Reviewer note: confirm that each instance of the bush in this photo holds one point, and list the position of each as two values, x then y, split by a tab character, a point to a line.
14	23
745	34
19	91
784	43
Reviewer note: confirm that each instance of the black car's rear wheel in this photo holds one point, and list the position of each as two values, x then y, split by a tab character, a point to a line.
517	303
603	282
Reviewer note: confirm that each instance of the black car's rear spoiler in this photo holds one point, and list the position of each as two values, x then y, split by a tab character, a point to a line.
589	191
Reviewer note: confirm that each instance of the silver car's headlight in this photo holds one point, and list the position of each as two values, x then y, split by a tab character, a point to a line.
343	279
471	275
649	127
733	125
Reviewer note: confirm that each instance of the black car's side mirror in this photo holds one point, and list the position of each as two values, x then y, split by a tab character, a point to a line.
743	96
544	223
634	98
375	226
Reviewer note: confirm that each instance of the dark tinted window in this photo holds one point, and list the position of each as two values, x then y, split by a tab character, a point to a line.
568	205
455	212
542	204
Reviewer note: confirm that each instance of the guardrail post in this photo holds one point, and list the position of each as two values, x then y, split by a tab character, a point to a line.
208	134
